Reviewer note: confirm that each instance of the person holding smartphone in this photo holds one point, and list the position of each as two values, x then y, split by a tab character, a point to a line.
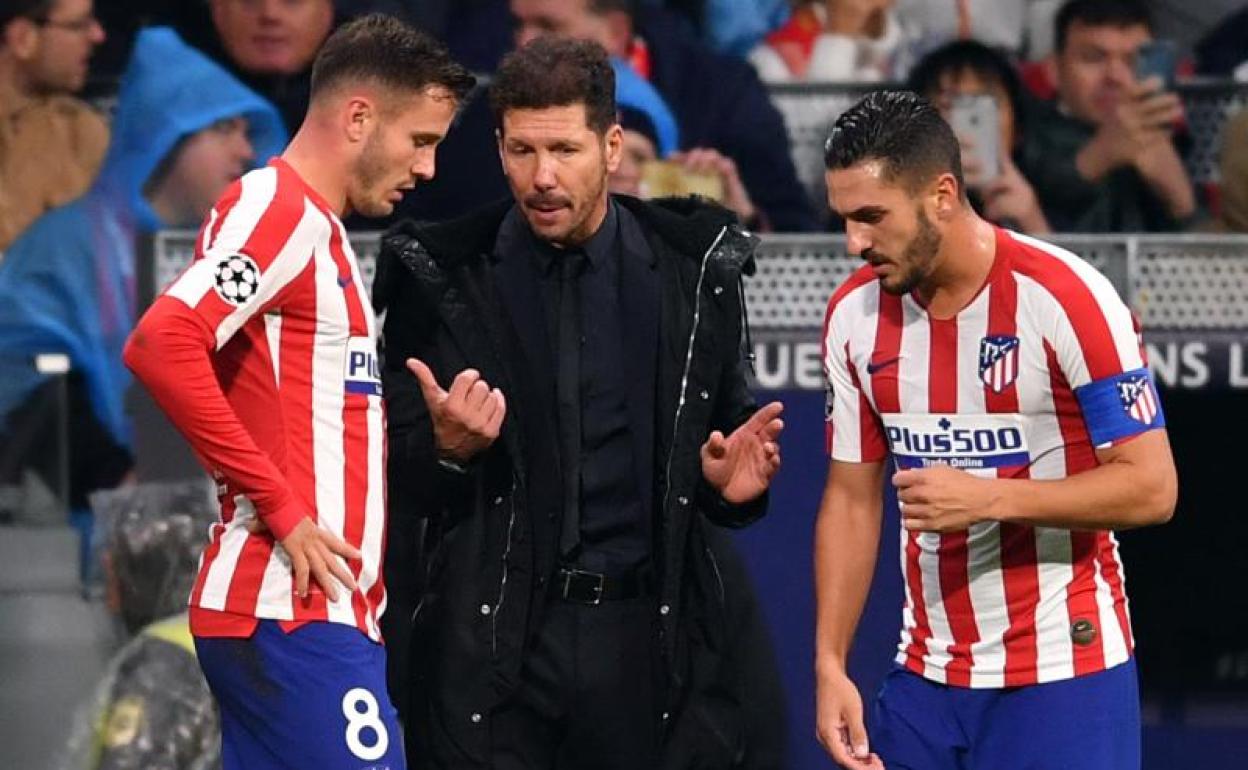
978	92
1103	159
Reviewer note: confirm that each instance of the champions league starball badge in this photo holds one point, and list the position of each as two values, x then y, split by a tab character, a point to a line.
237	278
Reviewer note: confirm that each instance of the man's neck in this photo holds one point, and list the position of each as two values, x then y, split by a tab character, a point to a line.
13	95
965	259
318	169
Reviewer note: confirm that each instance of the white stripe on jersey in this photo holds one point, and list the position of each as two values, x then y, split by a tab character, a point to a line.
233	538
1053	561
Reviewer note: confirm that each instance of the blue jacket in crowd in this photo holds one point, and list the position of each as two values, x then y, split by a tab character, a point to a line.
67	285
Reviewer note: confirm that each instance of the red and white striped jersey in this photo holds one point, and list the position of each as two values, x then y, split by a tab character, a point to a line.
277	292
1042	367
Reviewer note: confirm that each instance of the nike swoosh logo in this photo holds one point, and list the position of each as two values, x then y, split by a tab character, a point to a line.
875	366
344	281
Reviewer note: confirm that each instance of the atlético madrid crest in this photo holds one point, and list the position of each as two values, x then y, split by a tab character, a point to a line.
998	362
1138	398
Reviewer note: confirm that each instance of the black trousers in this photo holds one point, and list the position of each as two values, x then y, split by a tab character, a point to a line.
589	695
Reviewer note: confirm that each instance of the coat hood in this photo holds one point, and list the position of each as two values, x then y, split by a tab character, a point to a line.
170	91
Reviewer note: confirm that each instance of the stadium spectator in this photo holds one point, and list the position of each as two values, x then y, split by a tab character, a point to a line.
970	68
184	129
718	100
1024	28
651	135
1103	158
832	40
152	709
1234	174
51	144
267	44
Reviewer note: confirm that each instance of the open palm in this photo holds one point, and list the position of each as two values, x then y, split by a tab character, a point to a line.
740	466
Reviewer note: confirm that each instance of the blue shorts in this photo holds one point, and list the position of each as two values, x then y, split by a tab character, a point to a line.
314	698
1091	722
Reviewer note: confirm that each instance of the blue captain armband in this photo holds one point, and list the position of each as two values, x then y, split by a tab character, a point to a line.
1120	406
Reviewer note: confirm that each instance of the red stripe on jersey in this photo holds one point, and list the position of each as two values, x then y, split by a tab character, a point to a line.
1079	305
1019	566
1081	591
244	590
871	444
377	593
884	384
1111	573
952	561
355	433
886	393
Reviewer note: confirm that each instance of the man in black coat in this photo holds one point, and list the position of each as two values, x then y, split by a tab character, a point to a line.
568	414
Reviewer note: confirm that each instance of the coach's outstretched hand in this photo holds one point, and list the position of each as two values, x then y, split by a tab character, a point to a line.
839	724
315	551
740	466
467	418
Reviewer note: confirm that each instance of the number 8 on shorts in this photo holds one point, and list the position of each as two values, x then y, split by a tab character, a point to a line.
363	713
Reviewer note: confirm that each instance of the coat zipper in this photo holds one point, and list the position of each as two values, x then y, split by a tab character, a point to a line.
684	377
502	585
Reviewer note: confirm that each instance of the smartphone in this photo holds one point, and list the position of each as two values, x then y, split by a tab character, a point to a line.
665	178
975	117
1157	58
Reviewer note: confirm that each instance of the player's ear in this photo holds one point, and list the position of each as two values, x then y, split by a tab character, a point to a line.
359	117
946	196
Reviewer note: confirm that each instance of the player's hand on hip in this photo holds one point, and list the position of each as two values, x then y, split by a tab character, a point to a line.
944	499
467	418
839	723
318	554
740	467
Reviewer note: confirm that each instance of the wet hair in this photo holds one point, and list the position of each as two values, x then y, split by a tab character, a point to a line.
384	50
901	129
970	56
557	72
1099	13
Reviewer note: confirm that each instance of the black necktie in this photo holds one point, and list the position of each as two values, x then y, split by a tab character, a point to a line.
568	395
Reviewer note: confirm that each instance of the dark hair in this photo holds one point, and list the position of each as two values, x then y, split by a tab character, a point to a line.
900	128
970	56
33	10
601	7
1099	13
385	50
557	72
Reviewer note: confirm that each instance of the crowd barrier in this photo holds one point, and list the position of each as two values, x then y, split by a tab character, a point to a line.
1190	292
809	110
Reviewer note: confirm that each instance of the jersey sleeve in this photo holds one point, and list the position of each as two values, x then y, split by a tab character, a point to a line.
252	249
257	241
853	431
1100	350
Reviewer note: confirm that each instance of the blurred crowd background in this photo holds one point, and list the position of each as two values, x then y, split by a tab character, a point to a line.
120	120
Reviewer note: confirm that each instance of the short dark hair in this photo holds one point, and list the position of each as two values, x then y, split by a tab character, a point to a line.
557	72
1099	13
602	7
903	130
33	10
961	56
383	49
